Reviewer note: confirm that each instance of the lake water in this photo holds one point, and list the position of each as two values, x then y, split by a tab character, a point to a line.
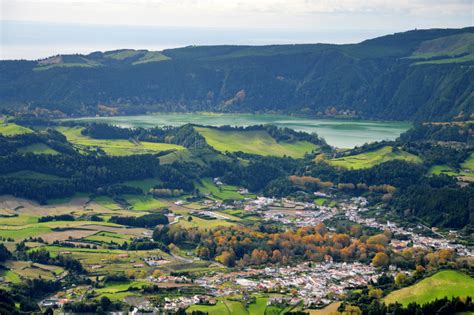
338	133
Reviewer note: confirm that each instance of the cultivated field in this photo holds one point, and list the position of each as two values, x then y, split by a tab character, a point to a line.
448	283
372	158
254	142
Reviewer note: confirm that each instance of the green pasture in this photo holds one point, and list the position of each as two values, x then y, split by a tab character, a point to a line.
372	158
447	283
109	237
118	147
143	203
467	169
11	129
254	142
107	202
22	233
151	56
206	186
202	223
19	220
37	148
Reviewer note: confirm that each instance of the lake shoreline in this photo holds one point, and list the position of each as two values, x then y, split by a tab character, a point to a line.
341	133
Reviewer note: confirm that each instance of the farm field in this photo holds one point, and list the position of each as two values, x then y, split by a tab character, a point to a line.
202	223
11	129
465	173
207	187
107	202
115	147
109	237
448	283
143	203
372	158
254	142
37	148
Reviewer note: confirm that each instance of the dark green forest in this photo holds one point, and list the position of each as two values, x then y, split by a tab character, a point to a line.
382	78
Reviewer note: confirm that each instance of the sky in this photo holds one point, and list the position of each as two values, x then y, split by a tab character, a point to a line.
32	29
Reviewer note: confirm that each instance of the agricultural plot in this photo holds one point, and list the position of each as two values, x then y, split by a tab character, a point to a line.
109	237
143	203
372	158
448	283
219	309
37	148
107	202
466	172
26	270
11	129
118	147
44	228
207	187
202	223
254	142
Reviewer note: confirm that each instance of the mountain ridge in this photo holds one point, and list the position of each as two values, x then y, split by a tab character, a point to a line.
381	78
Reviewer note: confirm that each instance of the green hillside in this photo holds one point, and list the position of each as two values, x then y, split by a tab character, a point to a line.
446	283
117	147
415	75
254	142
372	158
449	46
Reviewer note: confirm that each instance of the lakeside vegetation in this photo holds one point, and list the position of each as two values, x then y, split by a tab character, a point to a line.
254	142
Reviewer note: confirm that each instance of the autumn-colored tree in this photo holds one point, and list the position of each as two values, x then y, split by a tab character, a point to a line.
259	256
276	256
375	293
380	260
378	239
400	279
226	258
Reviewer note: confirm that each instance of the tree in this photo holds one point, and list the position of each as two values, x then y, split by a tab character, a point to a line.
226	258
380	260
4	253
400	279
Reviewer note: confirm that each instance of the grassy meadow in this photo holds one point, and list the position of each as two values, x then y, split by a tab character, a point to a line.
11	129
37	148
466	172
117	147
207	187
448	283
372	158
254	142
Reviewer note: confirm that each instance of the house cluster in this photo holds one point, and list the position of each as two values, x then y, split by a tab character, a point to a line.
154	261
300	218
316	284
357	206
174	305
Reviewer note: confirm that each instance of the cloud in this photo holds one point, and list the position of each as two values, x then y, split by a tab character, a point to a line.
269	14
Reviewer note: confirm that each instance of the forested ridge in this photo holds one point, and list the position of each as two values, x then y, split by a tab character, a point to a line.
390	77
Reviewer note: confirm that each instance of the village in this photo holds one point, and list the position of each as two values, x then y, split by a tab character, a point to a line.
313	284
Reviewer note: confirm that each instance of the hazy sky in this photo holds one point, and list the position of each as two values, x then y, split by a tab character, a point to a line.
39	28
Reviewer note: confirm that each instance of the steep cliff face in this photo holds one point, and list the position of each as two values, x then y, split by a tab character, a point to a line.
416	75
